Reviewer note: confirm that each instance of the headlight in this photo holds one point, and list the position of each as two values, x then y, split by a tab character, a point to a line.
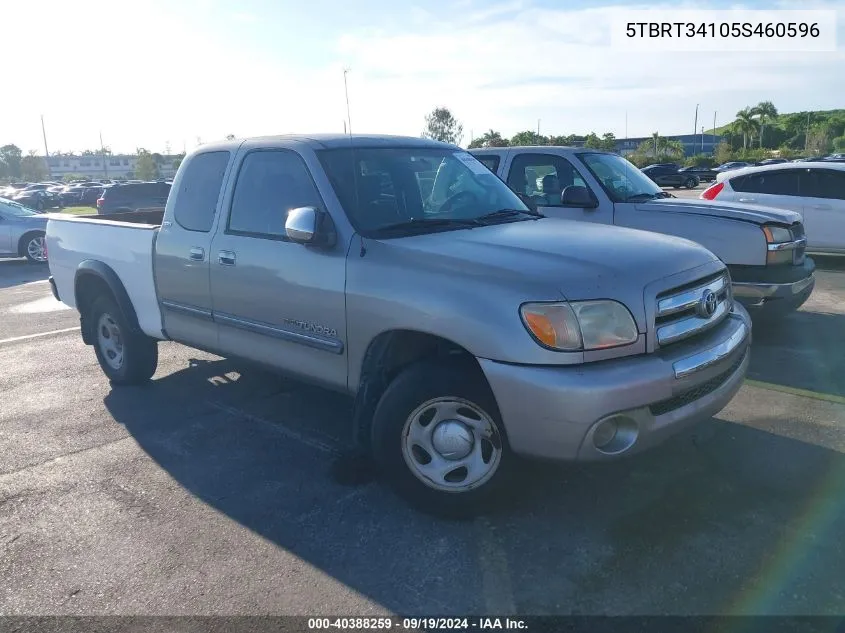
580	325
776	235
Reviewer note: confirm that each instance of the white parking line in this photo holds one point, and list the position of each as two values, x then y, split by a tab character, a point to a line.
39	335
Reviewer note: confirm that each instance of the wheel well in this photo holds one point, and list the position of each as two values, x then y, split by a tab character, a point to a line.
24	239
88	288
387	355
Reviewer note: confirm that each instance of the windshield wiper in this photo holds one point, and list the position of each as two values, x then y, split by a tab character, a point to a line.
425	223
509	213
648	196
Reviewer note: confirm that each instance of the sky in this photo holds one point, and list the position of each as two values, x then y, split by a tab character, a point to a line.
166	74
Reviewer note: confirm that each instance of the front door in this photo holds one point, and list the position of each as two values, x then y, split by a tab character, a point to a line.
276	301
5	233
823	197
543	177
183	249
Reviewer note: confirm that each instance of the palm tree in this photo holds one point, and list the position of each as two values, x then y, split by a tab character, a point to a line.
673	148
746	125
491	138
765	111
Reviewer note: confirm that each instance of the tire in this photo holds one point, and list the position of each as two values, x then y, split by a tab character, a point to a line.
33	246
691	183
126	358
410	407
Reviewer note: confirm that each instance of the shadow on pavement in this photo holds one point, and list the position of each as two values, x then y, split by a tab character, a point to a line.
727	518
805	350
14	272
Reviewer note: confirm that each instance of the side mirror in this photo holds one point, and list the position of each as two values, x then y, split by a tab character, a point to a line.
309	226
527	200
577	196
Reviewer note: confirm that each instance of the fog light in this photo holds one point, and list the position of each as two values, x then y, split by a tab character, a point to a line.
605	433
615	434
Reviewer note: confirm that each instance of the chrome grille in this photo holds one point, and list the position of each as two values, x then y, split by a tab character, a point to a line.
683	312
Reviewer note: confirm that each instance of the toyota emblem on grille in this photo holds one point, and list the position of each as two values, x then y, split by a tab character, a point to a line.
707	304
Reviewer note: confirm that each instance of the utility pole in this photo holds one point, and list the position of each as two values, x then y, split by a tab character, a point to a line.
695	126
702	139
44	134
103	153
714	131
538	128
46	153
346	92
807	135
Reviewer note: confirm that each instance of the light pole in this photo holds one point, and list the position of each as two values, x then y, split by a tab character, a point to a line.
346	93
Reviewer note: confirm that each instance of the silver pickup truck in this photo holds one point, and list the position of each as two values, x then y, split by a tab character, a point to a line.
400	271
762	247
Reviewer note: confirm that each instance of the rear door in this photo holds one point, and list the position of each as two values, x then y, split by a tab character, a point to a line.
823	196
183	248
278	302
773	188
5	232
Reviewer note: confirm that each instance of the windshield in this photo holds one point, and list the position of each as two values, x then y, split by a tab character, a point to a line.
12	208
382	187
619	177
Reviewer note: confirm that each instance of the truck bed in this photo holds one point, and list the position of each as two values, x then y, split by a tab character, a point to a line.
123	241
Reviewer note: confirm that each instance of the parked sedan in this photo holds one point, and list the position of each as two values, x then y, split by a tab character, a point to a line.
705	174
38	199
671	176
22	232
816	190
737	164
13	189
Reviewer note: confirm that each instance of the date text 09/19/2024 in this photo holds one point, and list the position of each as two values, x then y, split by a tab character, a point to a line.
416	624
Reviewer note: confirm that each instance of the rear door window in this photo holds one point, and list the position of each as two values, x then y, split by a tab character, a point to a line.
199	190
490	162
781	182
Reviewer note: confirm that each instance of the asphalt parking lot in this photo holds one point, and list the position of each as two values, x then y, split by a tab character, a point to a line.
209	491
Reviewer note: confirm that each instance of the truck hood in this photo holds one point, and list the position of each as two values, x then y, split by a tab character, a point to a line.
756	214
581	260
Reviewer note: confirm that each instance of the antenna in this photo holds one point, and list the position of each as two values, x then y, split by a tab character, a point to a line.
346	93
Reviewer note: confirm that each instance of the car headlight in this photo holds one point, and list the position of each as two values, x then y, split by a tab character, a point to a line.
579	325
775	236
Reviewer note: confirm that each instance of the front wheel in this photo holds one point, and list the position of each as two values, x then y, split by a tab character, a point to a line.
691	183
438	438
126	357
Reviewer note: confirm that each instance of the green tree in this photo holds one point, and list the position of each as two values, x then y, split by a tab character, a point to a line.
592	141
490	138
529	137
723	153
564	141
146	167
839	144
441	125
10	162
746	124
178	161
765	111
608	141
230	137
33	168
72	177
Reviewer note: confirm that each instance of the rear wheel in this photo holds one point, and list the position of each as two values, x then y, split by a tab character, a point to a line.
126	357
691	183
438	439
34	248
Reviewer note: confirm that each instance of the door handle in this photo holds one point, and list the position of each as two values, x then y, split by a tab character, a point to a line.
226	258
745	200
197	254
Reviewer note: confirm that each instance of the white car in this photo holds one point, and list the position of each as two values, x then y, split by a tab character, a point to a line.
816	190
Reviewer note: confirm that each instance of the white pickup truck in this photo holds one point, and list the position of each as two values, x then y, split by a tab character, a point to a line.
763	247
400	271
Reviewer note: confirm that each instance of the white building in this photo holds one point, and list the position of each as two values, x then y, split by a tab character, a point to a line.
117	166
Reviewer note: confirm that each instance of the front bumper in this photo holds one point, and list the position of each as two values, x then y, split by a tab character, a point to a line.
555	412
776	295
